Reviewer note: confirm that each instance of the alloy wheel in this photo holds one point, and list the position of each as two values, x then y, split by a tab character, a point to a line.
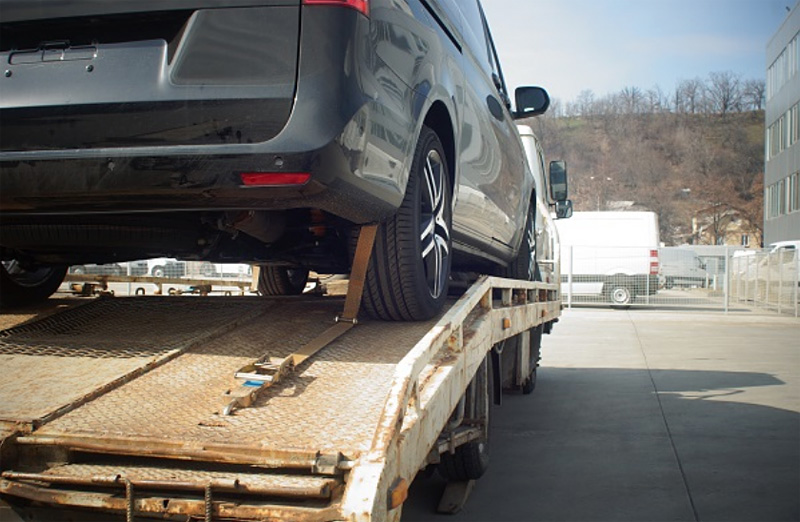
434	228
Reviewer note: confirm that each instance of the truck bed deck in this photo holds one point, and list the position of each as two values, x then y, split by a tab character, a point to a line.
117	404
331	403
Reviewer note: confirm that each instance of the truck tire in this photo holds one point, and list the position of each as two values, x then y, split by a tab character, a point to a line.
282	280
525	267
529	384
158	271
409	272
471	460
21	286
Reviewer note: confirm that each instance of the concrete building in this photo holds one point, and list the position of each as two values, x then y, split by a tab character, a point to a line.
782	169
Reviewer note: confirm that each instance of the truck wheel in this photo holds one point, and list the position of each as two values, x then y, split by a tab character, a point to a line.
282	280
620	295
409	272
524	265
207	269
536	348
471	460
158	271
20	285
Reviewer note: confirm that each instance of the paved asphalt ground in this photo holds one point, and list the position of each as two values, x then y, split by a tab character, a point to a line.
644	415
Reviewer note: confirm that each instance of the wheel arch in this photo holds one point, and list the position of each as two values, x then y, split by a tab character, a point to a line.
438	119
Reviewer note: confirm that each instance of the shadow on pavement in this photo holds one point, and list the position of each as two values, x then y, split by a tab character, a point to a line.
603	445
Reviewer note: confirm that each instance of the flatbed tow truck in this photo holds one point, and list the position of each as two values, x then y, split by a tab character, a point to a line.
133	406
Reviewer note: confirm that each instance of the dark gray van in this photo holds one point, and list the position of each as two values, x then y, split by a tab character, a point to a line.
260	131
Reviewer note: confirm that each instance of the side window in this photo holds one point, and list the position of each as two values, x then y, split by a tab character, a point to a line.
497	72
474	32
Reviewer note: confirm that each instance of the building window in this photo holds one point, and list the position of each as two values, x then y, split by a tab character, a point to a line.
784	67
795	123
783	133
794	192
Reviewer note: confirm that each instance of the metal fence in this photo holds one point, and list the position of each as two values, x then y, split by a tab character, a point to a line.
767	280
159	276
702	277
699	277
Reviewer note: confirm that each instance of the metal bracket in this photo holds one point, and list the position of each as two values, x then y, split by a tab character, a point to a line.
327	464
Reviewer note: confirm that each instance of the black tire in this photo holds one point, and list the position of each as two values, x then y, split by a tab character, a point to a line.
158	271
524	265
529	384
471	460
21	286
409	272
282	280
526	268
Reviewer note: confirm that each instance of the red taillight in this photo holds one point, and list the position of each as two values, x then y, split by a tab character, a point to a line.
362	6
274	179
653	262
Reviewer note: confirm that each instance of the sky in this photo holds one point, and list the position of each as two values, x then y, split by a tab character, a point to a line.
568	46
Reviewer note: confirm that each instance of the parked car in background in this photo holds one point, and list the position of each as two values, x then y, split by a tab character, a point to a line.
230	270
112	269
157	267
682	267
263	132
781	264
611	255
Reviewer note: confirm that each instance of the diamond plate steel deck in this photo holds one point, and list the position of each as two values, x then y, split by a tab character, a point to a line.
52	365
332	403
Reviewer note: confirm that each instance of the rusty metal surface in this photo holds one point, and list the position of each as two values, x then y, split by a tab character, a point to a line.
164	506
332	403
53	364
186	477
18	316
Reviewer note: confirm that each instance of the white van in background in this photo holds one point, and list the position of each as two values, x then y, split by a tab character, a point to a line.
611	255
682	267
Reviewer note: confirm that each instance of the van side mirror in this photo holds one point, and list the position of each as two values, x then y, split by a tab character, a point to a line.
564	209
558	180
531	101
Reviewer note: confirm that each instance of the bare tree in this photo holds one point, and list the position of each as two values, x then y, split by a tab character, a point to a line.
725	92
690	96
753	94
656	100
585	103
632	100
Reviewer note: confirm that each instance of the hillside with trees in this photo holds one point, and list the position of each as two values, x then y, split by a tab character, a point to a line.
695	157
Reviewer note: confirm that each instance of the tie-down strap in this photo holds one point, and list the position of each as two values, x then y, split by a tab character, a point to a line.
267	371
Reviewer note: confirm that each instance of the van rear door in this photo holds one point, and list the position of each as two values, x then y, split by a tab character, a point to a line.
87	74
